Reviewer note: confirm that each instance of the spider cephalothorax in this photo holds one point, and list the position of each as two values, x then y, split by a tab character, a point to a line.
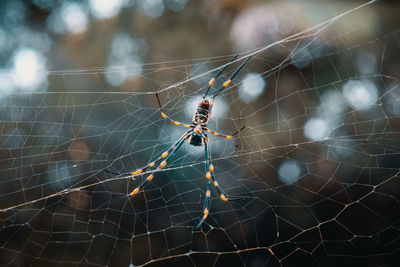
196	136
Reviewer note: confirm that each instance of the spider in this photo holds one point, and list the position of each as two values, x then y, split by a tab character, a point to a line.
196	136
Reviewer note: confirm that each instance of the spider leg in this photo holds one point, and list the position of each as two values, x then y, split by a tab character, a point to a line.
153	163
210	83
223	135
210	176
168	118
225	84
207	200
211	179
206	205
174	148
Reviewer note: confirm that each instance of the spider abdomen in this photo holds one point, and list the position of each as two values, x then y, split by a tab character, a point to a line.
196	139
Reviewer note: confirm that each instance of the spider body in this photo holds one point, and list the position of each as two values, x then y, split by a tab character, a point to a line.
202	115
196	135
197	138
200	120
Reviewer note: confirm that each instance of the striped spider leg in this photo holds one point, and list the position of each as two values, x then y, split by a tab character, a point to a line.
161	160
211	180
196	136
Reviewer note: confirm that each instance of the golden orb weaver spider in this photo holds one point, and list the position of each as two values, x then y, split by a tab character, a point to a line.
196	136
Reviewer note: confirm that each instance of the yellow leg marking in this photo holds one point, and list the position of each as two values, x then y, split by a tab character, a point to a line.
134	192
226	83
208	175
152	164
163	115
205	213
212	102
164	154
163	163
150	177
216	183
211	168
223	197
137	172
208	193
197	129
228	137
180	124
211	81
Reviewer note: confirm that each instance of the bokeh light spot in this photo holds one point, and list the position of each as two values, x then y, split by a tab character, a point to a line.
74	17
28	69
289	171
115	75
360	95
175	5
104	9
332	103
152	8
301	57
315	129
251	87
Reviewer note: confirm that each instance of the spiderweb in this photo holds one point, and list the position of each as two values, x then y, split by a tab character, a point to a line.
319	160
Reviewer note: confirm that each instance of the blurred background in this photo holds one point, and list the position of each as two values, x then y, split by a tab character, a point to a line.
319	158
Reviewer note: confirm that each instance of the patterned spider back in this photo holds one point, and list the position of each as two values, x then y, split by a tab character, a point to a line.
202	115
